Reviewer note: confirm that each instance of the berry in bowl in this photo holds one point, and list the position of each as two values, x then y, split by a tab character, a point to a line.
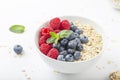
68	44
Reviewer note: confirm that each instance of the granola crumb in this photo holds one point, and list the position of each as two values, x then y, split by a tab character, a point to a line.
30	47
94	46
56	72
26	75
28	78
9	50
23	70
103	67
109	62
15	56
20	55
113	20
113	41
3	46
115	75
116	65
108	49
98	68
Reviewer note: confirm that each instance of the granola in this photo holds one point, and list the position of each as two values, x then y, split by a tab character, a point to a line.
94	46
115	75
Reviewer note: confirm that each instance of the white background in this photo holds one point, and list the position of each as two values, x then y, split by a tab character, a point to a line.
32	13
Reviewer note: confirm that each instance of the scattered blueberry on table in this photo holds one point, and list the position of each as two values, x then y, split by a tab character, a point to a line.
18	49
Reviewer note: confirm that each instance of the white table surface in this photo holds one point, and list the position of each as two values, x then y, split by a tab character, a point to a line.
32	13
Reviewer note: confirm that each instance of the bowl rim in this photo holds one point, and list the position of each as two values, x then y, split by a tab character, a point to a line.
75	62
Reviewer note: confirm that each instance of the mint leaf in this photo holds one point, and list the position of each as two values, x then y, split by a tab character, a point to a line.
55	37
50	40
64	33
56	40
53	34
17	28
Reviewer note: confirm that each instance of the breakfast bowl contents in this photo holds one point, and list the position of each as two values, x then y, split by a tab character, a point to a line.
69	42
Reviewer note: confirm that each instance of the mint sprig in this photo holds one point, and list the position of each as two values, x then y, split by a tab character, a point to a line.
17	28
56	37
53	34
64	33
50	40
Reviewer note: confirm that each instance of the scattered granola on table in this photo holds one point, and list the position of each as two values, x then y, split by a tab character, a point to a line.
115	75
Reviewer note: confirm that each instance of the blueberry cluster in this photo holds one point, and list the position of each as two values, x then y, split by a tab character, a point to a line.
71	46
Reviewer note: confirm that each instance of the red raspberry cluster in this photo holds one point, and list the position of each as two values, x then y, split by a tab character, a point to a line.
55	25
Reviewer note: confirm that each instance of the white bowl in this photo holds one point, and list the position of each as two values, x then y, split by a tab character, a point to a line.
71	67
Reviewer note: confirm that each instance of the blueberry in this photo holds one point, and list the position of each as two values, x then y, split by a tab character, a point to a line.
61	49
56	45
18	49
79	31
69	58
77	40
73	36
83	39
70	37
76	35
79	47
73	28
70	51
61	58
64	52
76	55
72	44
64	42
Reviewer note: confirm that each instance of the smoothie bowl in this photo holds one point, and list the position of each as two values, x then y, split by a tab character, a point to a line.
70	44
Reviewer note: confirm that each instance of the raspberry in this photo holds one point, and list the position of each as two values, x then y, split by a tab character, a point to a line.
55	23
44	48
42	40
40	33
46	30
57	31
65	25
47	36
53	53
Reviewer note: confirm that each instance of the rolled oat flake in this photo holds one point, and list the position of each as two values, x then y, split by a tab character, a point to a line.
115	75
